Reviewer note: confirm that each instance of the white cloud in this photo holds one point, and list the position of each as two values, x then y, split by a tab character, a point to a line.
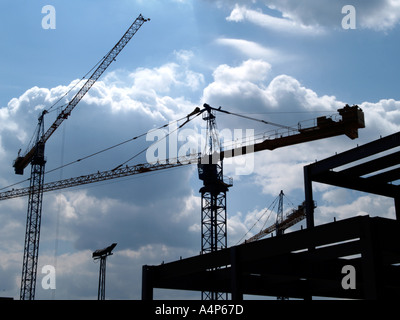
286	24
184	56
371	14
253	50
336	196
245	86
383	116
242	227
241	86
5	122
155	92
315	16
371	205
252	71
287	90
378	15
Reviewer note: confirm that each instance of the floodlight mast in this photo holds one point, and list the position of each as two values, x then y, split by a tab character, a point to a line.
102	254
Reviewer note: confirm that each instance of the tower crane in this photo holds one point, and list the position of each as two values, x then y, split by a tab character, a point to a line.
282	222
351	119
35	156
213	197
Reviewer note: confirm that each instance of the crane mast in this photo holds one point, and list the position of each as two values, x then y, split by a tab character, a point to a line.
35	156
33	219
213	197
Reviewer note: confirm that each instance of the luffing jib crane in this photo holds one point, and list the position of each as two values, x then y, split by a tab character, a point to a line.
35	156
282	222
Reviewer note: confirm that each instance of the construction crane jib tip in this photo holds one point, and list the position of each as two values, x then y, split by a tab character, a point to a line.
21	162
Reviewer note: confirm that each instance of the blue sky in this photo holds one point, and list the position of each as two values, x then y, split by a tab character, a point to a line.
276	60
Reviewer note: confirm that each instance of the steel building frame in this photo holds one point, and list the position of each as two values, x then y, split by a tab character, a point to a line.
366	175
299	264
309	262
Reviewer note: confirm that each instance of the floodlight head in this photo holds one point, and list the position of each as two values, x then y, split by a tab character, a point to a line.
104	252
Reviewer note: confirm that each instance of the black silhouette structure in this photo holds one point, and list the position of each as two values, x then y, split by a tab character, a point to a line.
310	262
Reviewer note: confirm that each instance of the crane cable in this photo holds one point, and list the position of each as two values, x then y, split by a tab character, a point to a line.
58	211
196	112
83	78
254	119
49	110
117	145
270	208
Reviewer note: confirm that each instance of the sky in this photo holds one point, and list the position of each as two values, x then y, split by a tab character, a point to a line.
281	61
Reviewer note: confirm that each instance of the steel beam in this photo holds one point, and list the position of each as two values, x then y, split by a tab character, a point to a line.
355	154
282	266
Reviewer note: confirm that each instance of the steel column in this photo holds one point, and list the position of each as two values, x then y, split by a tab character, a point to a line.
101	295
32	234
308	197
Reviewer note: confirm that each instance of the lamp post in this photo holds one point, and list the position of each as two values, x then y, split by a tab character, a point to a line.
102	254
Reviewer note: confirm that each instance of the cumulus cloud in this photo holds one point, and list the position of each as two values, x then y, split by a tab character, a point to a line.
246	86
234	88
142	215
155	92
249	71
243	82
382	116
249	87
145	216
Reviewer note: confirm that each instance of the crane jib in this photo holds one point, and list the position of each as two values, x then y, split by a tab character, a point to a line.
352	120
21	162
